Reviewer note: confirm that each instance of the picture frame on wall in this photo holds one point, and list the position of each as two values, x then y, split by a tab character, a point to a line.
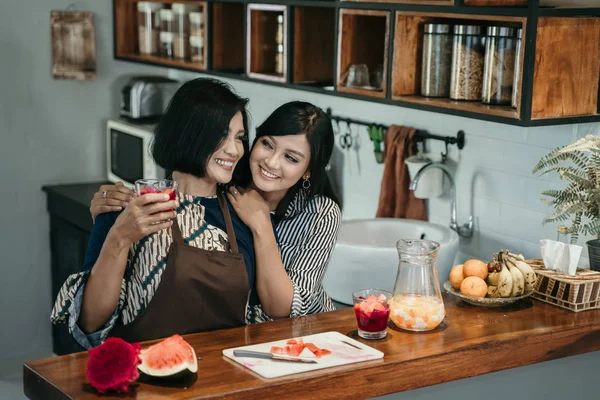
73	45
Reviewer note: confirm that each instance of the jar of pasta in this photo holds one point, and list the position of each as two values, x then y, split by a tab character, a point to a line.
148	18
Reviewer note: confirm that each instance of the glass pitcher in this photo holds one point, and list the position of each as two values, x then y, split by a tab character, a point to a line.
417	303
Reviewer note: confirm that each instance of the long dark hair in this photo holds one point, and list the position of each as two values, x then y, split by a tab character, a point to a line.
195	124
302	118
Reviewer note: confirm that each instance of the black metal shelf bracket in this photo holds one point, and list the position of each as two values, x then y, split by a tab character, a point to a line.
420	136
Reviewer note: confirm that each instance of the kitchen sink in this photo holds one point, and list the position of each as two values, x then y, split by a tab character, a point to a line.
365	255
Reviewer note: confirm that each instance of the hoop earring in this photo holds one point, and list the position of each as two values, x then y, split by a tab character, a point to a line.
306	184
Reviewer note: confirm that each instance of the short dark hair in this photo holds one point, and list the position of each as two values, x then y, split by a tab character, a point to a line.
195	124
302	118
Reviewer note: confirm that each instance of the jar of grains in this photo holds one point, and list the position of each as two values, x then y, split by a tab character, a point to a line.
499	66
181	28
467	62
437	60
148	27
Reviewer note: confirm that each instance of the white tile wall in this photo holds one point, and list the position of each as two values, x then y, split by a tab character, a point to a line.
492	173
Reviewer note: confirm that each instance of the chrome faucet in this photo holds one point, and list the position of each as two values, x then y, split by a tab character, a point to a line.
465	230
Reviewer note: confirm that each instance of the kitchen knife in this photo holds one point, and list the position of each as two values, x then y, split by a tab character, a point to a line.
271	356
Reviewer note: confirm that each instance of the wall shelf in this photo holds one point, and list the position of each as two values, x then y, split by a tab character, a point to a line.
262	46
321	39
363	40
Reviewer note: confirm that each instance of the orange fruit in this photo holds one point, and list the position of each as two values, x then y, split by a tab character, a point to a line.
473	286
475	268
456	276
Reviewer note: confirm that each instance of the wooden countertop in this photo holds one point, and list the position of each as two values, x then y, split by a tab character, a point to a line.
471	341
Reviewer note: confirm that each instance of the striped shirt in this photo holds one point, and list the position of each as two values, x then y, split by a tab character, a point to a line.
307	235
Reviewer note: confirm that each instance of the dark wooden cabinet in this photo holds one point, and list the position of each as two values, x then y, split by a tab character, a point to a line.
70	227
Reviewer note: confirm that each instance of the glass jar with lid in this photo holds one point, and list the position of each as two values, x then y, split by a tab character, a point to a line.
197	49
499	69
181	29
148	18
437	60
517	74
417	303
197	23
468	50
279	60
166	45
166	20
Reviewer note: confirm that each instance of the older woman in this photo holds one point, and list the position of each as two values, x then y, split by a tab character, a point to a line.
162	267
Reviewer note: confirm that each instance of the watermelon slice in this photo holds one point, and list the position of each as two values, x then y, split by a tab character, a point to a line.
169	358
298	348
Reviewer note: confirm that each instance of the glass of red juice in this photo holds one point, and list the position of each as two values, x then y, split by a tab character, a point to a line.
145	186
372	310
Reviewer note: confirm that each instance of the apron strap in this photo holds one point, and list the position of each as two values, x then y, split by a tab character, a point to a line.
176	232
228	223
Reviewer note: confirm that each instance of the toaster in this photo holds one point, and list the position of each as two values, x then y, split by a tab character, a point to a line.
144	98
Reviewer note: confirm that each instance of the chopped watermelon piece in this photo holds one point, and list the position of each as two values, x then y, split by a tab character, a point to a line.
371	298
325	352
298	341
293	350
382	298
277	350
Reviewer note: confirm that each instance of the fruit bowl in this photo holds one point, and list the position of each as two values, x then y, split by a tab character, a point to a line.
485	301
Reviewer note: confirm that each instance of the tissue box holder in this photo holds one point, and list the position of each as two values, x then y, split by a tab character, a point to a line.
576	293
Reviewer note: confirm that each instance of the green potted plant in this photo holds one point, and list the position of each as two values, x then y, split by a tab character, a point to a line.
579	165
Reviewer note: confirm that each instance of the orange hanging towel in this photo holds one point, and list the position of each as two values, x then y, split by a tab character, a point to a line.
395	198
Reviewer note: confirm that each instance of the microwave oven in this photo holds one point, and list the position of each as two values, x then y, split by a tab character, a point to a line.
129	156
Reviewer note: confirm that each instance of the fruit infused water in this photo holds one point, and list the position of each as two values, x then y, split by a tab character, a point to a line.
145	186
417	304
371	307
417	313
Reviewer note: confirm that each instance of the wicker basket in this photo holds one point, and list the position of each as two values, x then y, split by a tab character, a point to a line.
576	293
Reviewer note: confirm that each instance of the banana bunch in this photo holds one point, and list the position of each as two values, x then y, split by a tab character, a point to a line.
509	275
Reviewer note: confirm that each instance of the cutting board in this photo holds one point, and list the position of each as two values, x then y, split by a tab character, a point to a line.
341	354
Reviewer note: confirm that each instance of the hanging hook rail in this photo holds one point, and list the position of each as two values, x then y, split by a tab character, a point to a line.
420	135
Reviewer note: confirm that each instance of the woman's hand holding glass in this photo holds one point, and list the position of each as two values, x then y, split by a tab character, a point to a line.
143	216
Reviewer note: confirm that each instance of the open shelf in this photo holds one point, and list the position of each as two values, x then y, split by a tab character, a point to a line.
314	46
262	42
126	36
227	29
363	38
408	54
560	85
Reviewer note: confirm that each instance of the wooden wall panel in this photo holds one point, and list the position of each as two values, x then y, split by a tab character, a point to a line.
408	43
125	27
314	44
567	67
228	36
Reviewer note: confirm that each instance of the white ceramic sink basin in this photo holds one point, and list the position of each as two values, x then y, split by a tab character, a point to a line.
365	255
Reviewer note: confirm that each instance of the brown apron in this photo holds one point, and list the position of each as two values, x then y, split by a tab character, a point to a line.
200	290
